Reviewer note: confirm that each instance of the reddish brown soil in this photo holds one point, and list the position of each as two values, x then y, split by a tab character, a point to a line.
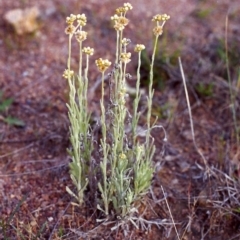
33	158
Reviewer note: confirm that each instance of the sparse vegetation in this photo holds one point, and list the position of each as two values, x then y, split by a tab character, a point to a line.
136	186
125	169
5	104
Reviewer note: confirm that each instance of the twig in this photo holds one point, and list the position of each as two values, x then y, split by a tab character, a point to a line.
174	224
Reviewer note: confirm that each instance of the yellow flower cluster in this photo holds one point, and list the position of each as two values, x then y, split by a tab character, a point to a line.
125	41
122	156
159	18
120	21
102	64
125	57
70	29
87	50
124	9
68	73
70	20
158	30
128	6
139	48
81	21
80	35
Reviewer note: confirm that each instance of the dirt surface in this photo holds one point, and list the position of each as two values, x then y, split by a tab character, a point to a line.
33	158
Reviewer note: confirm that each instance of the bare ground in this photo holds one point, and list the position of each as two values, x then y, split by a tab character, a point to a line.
33	159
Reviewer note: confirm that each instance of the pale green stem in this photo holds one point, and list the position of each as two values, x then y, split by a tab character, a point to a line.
120	41
80	60
103	88
117	47
69	52
86	80
150	93
117	76
136	100
122	109
104	147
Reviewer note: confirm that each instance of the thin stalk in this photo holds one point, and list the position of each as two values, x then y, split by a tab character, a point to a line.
105	151
80	60
116	83
232	96
120	41
86	80
136	101
117	48
69	51
103	88
150	94
208	170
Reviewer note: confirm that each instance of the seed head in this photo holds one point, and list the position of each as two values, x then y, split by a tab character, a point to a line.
87	50
102	64
81	35
68	73
139	48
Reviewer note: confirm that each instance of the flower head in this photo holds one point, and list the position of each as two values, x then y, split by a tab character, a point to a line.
125	57
139	48
159	17
70	20
87	50
70	29
118	27
68	73
127	6
102	64
158	30
114	17
122	156
81	35
120	11
81	19
125	41
120	22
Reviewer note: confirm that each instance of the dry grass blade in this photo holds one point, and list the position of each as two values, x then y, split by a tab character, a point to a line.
208	170
174	224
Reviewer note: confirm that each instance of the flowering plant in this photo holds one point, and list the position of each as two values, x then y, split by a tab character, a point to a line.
124	171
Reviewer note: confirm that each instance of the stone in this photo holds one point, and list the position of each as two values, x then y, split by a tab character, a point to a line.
23	20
